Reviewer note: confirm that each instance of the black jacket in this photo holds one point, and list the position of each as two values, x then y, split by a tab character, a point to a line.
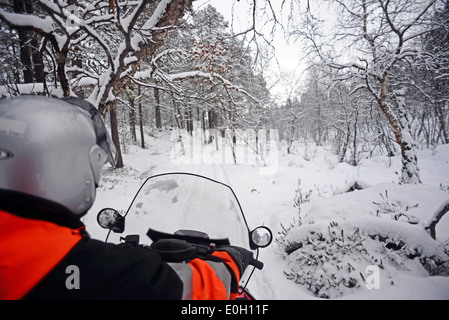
104	271
109	271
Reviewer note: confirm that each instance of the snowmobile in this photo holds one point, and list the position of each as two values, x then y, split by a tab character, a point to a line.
184	216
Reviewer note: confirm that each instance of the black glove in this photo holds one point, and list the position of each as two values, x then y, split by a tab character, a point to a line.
241	256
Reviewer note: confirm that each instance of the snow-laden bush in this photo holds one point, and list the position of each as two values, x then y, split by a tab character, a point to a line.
327	263
331	259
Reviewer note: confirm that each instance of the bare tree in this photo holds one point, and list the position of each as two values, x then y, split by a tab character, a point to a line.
373	41
434	63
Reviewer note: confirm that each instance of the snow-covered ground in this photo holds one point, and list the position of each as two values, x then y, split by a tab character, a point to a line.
338	241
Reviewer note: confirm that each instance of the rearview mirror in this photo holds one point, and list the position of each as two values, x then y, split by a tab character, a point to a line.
261	237
111	219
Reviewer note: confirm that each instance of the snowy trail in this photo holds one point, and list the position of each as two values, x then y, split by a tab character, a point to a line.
212	168
263	284
268	200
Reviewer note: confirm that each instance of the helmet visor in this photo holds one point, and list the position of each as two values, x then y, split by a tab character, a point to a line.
104	140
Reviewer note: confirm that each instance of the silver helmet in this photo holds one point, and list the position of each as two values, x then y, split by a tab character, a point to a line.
53	149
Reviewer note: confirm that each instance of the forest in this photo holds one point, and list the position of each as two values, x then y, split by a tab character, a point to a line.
376	80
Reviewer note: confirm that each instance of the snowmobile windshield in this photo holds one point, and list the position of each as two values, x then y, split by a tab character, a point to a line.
175	202
179	201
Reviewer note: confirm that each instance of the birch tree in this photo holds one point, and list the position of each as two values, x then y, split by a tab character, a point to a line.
373	41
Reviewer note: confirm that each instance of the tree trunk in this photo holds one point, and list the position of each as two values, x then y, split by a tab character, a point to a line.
115	135
354	145
189	120
319	139
16	61
30	57
401	130
177	115
112	6
441	117
24	43
157	109
344	148
293	134
203	125
132	118
38	63
142	136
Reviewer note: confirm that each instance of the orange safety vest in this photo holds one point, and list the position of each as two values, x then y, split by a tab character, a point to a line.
29	250
206	285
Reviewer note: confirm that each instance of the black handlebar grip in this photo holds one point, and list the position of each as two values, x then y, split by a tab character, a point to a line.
256	263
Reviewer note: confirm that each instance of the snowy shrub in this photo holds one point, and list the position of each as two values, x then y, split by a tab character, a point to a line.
328	263
396	252
301	196
330	259
396	209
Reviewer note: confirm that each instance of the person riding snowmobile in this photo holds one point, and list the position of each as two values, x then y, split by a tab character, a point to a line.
52	152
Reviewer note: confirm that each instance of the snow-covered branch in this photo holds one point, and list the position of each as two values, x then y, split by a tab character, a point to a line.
439	213
27	21
117	39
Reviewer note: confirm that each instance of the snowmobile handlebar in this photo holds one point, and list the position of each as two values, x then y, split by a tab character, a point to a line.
256	263
177	250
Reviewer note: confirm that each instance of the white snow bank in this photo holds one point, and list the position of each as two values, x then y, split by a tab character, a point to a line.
330	249
269	200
